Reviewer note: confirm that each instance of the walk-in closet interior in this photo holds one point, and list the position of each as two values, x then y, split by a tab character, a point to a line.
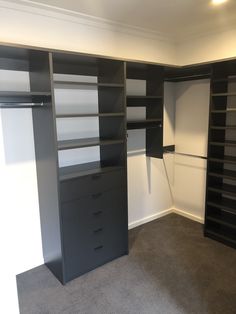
114	138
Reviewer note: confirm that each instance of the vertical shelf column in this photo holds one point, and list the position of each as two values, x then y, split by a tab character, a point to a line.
152	102
111	98
155	87
220	215
40	71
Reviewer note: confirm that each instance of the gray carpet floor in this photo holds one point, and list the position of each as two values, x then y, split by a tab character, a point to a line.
171	269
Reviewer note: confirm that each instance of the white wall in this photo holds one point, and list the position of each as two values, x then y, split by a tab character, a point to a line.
208	47
149	195
39	27
191	137
36	26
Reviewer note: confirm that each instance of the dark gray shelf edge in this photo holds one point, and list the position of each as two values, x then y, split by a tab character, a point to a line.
222	207
222	127
23	94
108	115
66	145
221	191
215	174
77	172
143	97
221	222
169	148
143	124
222	94
116	85
222	143
144	121
188	78
223	111
224	80
21	107
222	160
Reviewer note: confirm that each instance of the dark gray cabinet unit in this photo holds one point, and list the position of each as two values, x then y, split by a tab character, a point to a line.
92	196
83	205
220	215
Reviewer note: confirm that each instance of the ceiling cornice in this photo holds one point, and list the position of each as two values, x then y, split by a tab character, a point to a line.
70	16
83	19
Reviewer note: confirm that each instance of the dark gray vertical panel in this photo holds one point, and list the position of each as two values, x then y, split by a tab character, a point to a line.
155	87
47	164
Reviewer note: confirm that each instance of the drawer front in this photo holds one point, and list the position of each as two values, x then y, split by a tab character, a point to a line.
94	231
75	188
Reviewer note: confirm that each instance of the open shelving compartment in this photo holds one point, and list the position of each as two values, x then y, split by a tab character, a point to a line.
29	93
90	135
151	100
89	94
220	217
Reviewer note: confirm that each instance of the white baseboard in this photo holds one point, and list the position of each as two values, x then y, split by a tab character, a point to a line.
188	215
144	220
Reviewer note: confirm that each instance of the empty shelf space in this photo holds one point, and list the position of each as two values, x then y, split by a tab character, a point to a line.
224	159
224	188
225	143
81	115
142	124
229	174
66	173
88	84
226	204
87	142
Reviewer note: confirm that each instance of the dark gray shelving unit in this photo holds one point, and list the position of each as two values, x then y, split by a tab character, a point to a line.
220	218
93	195
83	207
153	102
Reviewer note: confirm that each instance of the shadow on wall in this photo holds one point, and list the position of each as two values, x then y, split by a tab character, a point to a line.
17	132
137	146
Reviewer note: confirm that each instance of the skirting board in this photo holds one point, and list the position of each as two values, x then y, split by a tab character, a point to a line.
188	215
144	220
164	213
